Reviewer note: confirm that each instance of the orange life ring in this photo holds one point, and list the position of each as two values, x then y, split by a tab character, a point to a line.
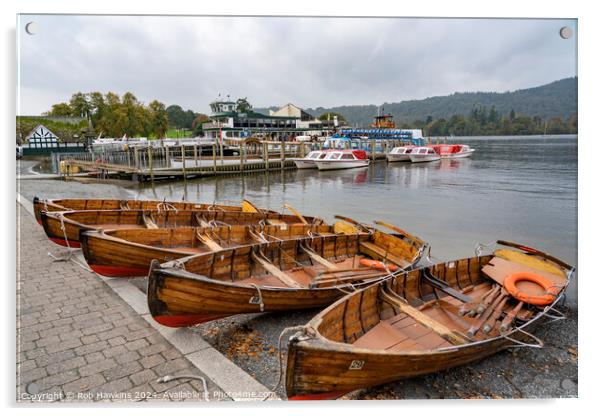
551	289
378	265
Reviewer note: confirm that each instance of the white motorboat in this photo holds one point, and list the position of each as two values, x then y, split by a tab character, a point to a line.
343	159
400	154
424	154
309	161
453	151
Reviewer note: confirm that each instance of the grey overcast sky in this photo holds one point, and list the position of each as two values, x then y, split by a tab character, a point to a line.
307	61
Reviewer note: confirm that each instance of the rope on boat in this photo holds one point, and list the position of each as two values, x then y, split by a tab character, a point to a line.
166	379
166	207
520	344
261	305
70	250
280	369
478	250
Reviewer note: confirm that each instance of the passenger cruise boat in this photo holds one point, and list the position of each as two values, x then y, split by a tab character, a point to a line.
424	154
309	161
400	154
343	159
453	151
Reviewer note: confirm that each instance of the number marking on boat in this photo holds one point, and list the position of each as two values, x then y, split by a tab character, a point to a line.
356	365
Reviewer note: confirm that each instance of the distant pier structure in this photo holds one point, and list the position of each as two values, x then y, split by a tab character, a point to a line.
236	139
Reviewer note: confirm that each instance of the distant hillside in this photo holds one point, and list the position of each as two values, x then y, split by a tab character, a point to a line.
558	98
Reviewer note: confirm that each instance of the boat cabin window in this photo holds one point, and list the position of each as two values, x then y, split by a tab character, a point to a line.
313	155
334	156
347	156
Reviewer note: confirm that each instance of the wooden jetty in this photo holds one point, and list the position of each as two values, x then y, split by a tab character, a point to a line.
143	163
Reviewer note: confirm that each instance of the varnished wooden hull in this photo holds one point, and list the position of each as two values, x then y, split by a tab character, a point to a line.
223	282
129	253
64	227
324	363
86	204
196	299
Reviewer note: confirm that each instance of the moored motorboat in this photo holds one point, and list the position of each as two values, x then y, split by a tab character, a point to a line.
64	227
426	320
424	154
343	159
453	151
400	154
275	276
85	204
309	161
129	252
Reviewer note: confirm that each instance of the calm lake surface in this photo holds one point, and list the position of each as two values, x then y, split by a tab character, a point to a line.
520	189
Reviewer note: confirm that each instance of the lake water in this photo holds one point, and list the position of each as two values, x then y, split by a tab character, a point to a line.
519	189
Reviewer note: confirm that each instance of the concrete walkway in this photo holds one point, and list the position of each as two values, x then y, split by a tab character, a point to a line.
81	338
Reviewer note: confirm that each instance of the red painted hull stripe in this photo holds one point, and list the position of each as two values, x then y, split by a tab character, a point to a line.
61	242
331	395
177	321
118	271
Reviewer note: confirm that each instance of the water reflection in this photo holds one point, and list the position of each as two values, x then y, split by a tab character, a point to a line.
521	190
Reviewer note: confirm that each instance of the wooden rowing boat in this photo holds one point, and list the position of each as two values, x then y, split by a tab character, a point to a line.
85	204
285	275
64	227
419	322
129	252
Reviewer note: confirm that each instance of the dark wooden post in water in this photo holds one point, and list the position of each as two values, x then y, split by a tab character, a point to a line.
150	162
136	158
214	149
281	155
240	149
183	162
196	157
266	156
373	149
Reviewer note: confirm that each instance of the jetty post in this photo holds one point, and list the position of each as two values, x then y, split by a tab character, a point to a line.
150	162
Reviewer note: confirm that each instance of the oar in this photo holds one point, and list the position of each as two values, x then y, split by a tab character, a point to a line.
340	280
319	259
396	229
148	221
354	222
295	212
535	251
248	206
486	314
490	324
444	287
205	239
509	319
444	332
279	274
470	308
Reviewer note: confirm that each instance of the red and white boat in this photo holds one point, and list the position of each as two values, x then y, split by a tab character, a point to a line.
400	154
424	154
308	162
453	151
343	159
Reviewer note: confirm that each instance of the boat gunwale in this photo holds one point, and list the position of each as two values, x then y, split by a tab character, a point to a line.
318	338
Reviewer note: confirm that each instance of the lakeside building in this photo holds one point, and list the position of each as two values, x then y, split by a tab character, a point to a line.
285	123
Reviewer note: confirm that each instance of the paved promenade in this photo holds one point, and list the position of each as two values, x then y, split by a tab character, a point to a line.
77	340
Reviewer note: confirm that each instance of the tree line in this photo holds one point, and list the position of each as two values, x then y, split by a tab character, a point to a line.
114	116
484	121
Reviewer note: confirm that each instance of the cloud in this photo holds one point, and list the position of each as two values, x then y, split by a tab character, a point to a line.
308	61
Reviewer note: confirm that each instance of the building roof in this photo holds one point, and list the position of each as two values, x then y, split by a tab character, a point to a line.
41	132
